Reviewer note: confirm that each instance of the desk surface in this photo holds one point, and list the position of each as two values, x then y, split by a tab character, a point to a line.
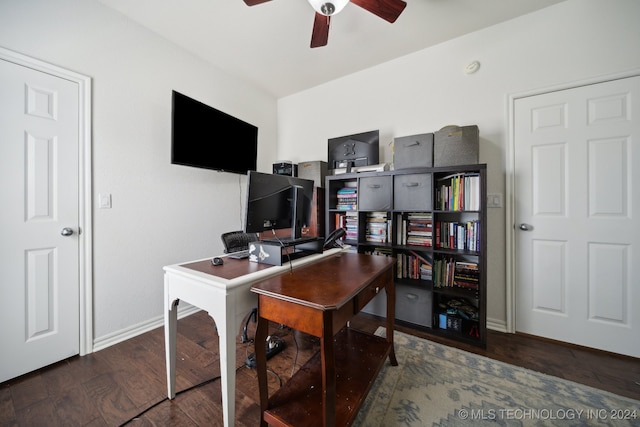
327	284
231	269
238	272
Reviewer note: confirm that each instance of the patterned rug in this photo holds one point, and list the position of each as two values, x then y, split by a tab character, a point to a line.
436	385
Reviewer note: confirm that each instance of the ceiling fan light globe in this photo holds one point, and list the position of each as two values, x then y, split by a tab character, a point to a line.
328	7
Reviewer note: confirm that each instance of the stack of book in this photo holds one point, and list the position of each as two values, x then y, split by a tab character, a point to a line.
466	275
347	199
419	229
382	251
377	227
351	225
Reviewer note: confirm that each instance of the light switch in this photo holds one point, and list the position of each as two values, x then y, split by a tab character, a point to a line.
494	200
104	200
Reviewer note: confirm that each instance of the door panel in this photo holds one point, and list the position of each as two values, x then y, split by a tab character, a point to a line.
39	164
577	238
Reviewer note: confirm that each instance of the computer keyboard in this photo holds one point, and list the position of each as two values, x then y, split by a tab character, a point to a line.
240	254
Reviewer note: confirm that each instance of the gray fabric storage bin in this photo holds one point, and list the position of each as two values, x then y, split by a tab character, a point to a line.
316	171
412	192
374	193
456	145
415	151
413	305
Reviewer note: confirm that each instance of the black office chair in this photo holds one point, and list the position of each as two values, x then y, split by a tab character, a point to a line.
235	241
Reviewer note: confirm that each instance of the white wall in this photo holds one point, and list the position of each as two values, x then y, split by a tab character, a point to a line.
422	92
162	213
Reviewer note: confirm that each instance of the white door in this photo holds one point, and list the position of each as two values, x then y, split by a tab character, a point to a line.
39	219
577	215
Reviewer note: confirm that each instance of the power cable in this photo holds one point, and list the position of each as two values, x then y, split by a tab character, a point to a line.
144	411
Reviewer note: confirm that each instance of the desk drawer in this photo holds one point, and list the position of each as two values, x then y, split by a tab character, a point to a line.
367	294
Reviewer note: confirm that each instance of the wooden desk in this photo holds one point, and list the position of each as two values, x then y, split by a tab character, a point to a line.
223	291
320	299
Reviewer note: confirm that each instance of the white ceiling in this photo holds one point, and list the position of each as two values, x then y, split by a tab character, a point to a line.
268	44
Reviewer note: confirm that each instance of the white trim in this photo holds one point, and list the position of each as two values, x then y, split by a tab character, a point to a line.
135	330
510	181
84	189
496	325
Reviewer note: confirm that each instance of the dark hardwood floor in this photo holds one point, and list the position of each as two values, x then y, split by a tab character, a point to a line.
116	385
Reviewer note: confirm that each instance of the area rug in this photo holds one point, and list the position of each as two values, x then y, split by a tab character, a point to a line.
437	385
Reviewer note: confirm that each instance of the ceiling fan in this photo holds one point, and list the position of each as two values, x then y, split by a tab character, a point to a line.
389	10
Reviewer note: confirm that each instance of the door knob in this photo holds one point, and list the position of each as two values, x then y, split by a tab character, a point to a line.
526	227
66	231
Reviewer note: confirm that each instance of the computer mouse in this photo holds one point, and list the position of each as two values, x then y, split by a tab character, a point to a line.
217	261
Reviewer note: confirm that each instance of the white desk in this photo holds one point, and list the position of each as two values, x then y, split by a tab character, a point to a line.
224	292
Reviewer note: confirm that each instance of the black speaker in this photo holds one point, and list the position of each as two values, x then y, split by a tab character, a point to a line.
285	168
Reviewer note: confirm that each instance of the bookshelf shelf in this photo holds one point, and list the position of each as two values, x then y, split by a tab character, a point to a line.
433	217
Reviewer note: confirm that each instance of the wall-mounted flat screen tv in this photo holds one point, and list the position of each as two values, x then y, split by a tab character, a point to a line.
204	137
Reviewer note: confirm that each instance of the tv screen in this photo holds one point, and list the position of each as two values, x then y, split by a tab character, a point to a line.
277	202
204	137
361	149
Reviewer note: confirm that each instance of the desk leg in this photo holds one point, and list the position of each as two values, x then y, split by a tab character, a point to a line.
170	327
262	328
227	338
327	358
391	315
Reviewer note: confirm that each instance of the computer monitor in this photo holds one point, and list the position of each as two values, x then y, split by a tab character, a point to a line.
276	202
361	149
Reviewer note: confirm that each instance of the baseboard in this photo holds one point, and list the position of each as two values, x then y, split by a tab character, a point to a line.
497	325
140	328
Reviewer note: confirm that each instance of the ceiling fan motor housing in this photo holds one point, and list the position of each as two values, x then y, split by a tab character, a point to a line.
328	8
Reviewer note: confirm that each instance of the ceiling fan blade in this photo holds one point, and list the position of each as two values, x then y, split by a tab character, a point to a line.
320	34
389	10
254	2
